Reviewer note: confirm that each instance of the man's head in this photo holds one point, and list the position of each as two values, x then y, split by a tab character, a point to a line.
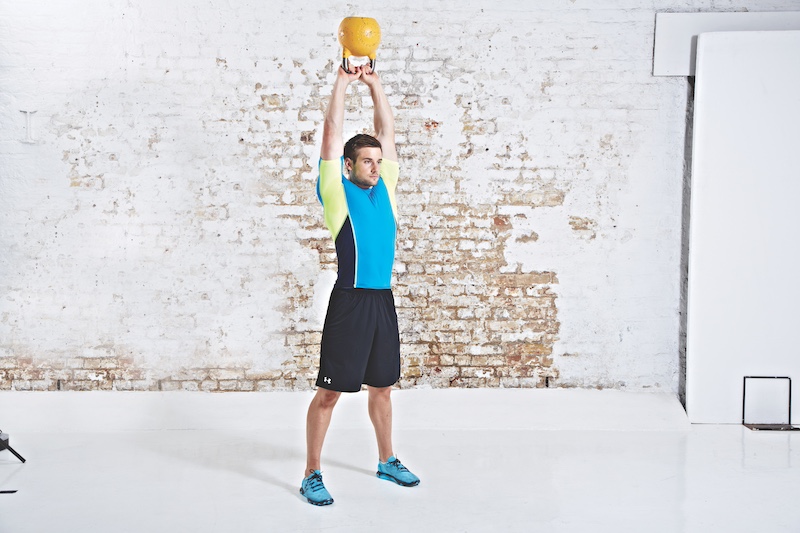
362	159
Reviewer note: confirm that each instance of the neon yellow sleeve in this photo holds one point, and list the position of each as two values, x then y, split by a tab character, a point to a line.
331	193
390	173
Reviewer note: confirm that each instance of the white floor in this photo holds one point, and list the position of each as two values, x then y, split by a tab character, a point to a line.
490	460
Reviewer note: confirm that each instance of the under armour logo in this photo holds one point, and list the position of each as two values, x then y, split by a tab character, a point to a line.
327	380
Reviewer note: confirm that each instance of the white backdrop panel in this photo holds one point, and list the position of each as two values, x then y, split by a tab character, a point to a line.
744	256
674	52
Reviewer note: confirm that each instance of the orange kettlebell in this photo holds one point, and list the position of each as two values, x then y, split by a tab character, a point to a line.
360	37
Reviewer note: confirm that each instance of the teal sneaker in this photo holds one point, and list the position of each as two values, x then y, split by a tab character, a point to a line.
314	490
393	470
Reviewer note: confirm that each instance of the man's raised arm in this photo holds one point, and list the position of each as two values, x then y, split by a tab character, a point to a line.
332	142
383	117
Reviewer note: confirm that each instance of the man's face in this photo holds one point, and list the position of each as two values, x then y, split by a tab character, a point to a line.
367	168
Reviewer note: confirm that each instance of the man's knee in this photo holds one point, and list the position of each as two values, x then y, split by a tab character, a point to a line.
380	392
327	398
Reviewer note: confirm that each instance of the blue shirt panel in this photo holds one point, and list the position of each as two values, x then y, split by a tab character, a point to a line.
365	244
374	230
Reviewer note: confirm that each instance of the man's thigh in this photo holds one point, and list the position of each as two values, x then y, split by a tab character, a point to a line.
347	340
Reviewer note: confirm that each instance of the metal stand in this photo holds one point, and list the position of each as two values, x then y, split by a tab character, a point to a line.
5	446
769	427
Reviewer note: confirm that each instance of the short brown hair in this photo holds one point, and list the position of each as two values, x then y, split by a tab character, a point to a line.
361	140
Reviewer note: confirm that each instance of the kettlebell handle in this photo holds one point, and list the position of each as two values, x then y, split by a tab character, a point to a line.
346	64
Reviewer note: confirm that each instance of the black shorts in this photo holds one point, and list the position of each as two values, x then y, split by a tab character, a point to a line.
360	341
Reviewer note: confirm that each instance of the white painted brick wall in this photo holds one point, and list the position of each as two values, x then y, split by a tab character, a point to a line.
164	223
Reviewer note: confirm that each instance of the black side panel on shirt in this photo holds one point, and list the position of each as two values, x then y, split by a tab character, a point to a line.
346	252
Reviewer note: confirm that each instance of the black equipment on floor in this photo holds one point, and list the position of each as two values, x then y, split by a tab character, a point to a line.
4	445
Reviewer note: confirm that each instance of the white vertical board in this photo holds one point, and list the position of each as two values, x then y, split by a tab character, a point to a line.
676	34
744	249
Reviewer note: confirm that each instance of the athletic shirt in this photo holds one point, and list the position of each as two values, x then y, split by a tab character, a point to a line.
362	222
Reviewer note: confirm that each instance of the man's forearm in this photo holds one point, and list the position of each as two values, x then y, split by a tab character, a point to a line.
383	119
332	143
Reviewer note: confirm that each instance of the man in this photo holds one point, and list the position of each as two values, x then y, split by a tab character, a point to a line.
360	338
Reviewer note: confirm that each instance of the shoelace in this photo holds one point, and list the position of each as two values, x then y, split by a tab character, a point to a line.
398	465
315	482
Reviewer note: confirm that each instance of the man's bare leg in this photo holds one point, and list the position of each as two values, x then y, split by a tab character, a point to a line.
317	422
380	412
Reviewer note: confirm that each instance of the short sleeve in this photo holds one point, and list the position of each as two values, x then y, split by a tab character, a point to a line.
330	191
390	172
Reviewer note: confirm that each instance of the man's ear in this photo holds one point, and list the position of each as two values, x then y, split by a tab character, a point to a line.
348	164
